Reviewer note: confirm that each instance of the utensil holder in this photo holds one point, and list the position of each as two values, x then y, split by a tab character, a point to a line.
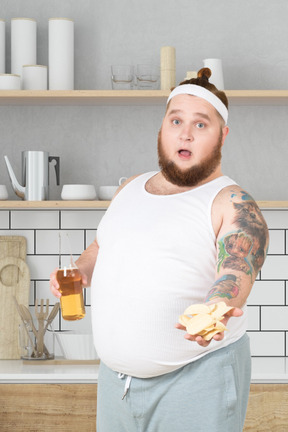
28	344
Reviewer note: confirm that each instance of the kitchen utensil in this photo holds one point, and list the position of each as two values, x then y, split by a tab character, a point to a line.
52	315
35	175
78	192
26	325
41	315
14	281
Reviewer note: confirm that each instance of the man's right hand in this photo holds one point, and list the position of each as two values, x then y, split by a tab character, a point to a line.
54	285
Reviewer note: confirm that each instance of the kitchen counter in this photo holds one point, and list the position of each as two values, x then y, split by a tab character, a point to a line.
19	372
267	370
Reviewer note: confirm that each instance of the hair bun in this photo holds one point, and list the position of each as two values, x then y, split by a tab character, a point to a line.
204	73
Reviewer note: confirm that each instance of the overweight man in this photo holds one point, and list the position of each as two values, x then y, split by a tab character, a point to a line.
183	235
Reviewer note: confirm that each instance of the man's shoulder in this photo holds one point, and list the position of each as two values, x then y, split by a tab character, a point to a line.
232	194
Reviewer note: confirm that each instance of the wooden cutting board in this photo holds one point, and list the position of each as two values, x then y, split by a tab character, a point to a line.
14	281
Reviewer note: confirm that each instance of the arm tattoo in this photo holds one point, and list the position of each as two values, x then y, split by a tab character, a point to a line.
225	287
244	249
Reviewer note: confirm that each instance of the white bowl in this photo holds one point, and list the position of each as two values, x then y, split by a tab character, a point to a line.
106	193
76	346
3	192
78	192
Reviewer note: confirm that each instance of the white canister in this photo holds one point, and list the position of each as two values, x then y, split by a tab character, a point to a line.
217	72
34	77
2	46
10	82
23	43
61	54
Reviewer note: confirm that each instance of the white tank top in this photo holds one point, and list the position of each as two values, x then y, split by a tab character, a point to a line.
157	255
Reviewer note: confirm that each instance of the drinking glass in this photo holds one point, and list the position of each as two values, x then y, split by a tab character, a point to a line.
148	77
122	77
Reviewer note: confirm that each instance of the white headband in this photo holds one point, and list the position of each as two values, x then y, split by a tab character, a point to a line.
203	93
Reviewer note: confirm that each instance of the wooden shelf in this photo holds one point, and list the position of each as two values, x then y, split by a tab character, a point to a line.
54	204
130	97
9	205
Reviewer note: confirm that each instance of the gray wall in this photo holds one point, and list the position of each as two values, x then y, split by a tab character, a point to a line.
100	144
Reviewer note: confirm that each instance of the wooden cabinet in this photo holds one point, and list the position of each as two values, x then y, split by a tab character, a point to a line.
267	408
72	407
48	407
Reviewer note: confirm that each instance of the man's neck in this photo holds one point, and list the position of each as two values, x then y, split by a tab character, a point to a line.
159	185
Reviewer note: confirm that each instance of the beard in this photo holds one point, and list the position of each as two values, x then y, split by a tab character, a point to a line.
190	176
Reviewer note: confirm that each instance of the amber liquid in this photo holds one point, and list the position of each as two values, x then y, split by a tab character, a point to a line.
72	302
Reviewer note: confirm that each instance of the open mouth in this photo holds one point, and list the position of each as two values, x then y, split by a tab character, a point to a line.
184	153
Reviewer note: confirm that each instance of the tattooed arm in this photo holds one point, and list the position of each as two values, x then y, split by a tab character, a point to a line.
242	242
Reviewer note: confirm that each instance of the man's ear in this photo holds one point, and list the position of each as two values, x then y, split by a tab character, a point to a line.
225	131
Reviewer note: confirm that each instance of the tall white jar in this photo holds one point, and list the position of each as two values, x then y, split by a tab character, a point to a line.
23	43
61	54
2	47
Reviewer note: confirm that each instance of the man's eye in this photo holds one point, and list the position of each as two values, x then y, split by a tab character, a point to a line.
176	122
200	125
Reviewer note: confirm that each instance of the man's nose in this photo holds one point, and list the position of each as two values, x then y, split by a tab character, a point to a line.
186	133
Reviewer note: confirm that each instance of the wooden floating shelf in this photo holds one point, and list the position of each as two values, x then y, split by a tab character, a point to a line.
10	205
129	97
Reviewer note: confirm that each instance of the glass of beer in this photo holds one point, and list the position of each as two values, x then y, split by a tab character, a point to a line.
70	287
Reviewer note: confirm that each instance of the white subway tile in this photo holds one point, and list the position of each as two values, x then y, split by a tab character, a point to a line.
276	242
276	218
274	318
253	318
28	234
36	219
267	343
4	219
81	219
275	267
90	236
47	241
267	293
41	266
43	291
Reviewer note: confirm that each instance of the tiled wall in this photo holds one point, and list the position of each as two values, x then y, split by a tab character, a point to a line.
268	301
267	304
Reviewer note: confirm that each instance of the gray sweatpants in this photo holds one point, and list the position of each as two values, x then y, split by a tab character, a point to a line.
208	395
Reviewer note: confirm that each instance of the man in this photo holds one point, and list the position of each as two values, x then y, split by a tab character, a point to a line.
184	235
